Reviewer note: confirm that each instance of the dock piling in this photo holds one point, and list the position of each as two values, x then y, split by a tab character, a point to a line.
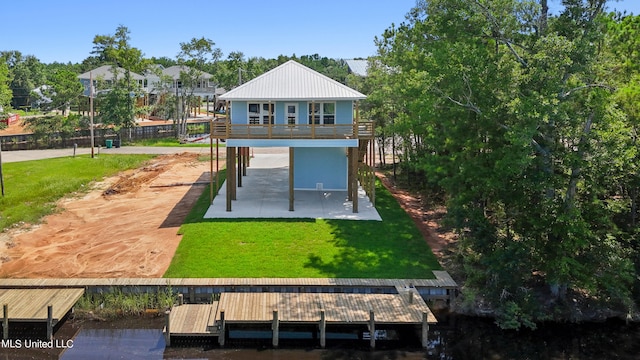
425	330
276	328
49	322
167	334
221	336
323	329
372	329
5	322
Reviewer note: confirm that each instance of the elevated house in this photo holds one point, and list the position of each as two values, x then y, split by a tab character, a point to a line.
106	74
204	86
316	117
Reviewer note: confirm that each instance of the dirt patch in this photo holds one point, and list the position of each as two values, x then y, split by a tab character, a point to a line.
426	218
125	227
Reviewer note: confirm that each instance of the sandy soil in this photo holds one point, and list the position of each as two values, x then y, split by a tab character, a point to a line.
125	227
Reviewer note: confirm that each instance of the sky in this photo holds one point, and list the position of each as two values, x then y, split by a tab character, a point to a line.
63	30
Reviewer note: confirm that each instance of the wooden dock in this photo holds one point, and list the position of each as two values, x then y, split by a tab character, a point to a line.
404	308
441	280
193	320
37	305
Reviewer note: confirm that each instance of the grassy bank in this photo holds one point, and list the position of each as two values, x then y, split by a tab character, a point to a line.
314	248
116	303
33	187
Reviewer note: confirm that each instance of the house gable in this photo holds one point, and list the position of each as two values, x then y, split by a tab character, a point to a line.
292	81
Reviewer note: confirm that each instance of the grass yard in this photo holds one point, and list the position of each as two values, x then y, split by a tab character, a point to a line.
281	248
33	187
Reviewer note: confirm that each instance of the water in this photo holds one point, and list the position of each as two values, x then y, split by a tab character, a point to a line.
458	338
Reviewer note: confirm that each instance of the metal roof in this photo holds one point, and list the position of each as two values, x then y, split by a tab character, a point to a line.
292	81
106	72
358	67
174	72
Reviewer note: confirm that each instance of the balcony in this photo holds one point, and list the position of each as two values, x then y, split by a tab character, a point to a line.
225	130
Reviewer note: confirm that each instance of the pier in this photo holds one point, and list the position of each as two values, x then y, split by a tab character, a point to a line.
46	306
273	310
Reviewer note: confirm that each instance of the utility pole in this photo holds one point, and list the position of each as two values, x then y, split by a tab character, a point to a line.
91	112
1	176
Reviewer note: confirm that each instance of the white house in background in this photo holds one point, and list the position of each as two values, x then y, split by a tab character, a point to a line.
316	117
204	88
105	73
358	67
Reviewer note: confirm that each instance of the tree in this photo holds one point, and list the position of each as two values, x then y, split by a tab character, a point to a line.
63	89
27	72
51	127
5	90
193	57
118	106
510	111
5	100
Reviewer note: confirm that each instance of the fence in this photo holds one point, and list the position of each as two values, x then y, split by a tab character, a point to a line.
83	138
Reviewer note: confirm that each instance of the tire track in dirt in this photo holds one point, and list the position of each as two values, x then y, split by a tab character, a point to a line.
116	230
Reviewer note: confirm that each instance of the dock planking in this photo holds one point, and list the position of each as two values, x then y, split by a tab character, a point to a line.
339	308
191	320
30	305
441	280
404	308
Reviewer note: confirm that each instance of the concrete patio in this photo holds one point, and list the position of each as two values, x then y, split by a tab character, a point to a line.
265	194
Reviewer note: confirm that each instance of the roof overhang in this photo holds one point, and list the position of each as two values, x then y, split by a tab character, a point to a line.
222	97
321	143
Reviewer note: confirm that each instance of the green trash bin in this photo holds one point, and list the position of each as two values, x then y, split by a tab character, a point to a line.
109	143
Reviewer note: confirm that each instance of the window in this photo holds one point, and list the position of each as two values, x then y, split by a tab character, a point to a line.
291	113
329	113
259	113
322	112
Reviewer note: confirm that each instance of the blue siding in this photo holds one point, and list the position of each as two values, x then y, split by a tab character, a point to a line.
239	112
279	112
326	166
344	112
303	112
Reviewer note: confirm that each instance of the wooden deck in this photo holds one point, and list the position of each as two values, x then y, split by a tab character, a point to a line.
338	308
211	320
29	305
46	306
193	320
442	280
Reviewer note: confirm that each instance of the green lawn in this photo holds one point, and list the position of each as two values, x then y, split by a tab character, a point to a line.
33	187
393	248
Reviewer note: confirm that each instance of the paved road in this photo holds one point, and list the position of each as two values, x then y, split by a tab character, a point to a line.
26	155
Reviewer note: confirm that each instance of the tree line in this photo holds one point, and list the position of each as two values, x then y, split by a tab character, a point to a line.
526	124
58	86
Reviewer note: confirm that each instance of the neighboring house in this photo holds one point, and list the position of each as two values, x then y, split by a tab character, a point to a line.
105	73
204	88
40	98
314	116
358	67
